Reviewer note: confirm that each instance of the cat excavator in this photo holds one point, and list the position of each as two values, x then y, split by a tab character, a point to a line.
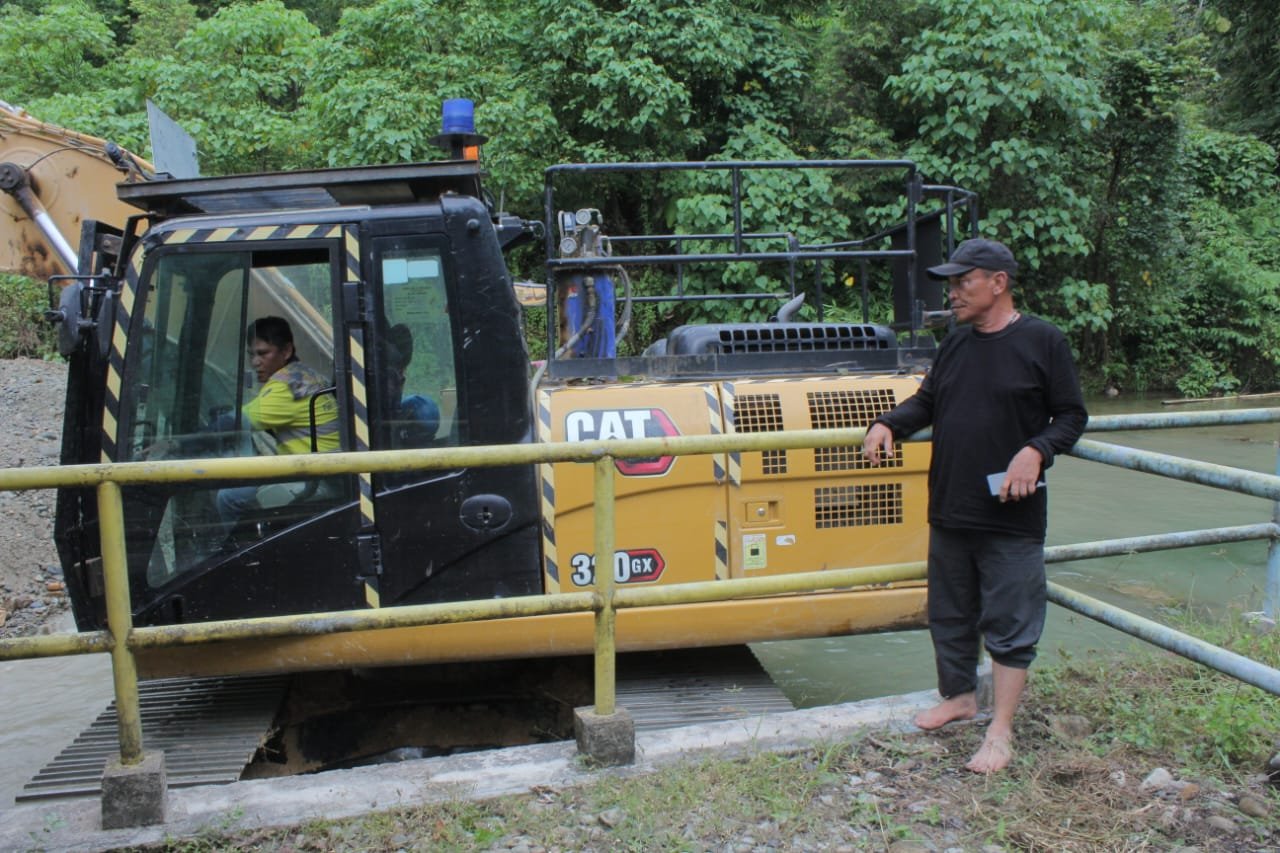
395	282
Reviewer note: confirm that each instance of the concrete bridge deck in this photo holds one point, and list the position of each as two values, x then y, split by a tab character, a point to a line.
75	824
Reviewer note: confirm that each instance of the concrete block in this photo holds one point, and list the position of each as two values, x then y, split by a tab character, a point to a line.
609	739
134	794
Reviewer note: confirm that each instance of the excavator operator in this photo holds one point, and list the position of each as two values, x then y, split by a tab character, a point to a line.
282	407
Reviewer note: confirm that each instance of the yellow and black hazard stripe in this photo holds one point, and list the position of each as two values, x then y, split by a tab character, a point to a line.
357	361
715	426
129	292
728	397
547	492
722	549
115	361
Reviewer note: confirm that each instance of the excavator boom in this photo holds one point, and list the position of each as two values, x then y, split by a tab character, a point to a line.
53	180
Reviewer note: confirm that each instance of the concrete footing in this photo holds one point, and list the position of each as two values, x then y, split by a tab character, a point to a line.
134	794
609	740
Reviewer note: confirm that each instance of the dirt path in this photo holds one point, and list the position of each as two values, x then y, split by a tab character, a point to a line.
31	590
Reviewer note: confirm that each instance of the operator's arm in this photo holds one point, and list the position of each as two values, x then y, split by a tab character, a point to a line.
273	407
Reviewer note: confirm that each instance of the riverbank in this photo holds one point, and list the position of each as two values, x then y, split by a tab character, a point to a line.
32	594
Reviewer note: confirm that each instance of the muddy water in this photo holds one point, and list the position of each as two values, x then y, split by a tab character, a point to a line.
1087	502
45	704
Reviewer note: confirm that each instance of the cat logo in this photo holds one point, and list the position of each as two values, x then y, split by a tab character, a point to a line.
613	424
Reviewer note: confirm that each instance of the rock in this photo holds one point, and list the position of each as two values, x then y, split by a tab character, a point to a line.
1221	824
4	617
611	817
1118	778
1072	727
1158	778
908	847
1253	807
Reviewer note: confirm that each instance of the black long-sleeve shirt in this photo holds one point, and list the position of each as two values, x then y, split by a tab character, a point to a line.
988	396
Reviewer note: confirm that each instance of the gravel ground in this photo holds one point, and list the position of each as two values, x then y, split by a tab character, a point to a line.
31	589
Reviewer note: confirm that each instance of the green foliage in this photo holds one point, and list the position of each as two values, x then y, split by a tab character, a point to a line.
1246	40
58	50
24	333
1000	90
772	201
653	79
374	95
159	26
236	81
1120	148
1164	705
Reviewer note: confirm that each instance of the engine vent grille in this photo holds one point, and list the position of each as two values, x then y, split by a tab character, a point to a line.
850	409
857	506
761	413
797	337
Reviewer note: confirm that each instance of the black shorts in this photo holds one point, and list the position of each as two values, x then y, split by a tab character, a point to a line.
986	588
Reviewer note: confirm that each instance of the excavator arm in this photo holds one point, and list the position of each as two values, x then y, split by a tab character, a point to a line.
53	179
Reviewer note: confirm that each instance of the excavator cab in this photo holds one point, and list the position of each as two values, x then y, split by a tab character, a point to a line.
395	310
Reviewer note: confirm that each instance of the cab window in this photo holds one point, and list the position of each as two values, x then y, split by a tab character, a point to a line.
418	386
194	388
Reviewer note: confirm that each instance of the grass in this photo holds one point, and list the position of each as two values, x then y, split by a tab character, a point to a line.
1080	790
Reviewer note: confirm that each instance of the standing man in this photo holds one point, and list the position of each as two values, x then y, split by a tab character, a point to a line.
1003	399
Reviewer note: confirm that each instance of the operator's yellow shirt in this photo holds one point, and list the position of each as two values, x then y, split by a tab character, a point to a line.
283	407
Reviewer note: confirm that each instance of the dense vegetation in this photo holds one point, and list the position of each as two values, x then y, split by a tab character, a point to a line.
1124	148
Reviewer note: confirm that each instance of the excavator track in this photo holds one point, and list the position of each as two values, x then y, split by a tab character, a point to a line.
210	729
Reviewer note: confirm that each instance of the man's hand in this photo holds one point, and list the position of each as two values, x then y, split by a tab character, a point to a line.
878	444
1023	474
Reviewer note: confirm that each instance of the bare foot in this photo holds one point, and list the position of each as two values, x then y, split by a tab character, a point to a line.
993	756
962	707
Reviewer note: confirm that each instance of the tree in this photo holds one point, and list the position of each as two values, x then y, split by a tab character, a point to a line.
61	49
1246	35
236	82
1001	92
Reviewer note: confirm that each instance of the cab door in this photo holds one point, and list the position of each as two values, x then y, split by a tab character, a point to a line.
447	369
188	390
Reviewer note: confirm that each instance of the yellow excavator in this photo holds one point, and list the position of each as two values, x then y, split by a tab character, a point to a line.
395	283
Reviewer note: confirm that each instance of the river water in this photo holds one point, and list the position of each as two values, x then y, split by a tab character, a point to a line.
1087	502
45	704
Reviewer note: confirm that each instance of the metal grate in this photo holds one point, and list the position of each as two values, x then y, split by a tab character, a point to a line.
803	337
849	410
208	728
762	413
668	689
857	506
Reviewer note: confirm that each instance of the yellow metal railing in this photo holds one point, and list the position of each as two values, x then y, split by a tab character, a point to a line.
122	639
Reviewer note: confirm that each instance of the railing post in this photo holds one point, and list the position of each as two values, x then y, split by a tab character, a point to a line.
1271	593
115	573
605	733
606	617
134	788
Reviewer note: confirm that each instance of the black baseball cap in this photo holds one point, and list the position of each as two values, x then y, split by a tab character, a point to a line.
977	254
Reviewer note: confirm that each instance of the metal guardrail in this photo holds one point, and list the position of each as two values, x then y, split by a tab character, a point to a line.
122	638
